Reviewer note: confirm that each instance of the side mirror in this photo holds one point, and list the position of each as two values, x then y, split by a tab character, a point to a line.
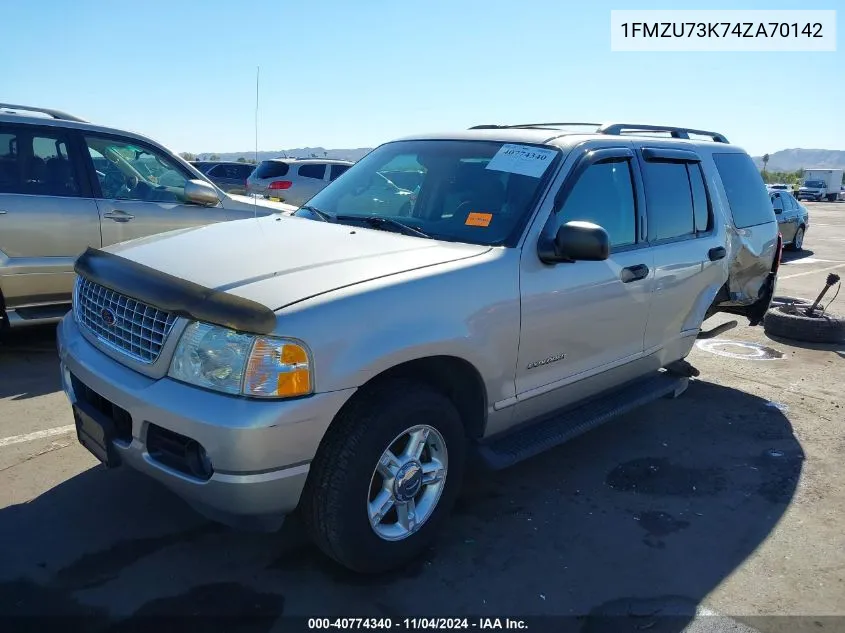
200	192
575	241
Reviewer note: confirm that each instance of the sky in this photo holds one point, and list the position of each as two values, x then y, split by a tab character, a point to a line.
344	74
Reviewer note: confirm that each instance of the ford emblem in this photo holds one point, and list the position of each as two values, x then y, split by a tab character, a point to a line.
107	316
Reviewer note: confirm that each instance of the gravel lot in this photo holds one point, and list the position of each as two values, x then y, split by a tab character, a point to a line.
728	500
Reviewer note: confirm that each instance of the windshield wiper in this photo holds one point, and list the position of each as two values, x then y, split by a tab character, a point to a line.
378	222
325	217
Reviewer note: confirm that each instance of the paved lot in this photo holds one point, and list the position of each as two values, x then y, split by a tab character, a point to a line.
728	500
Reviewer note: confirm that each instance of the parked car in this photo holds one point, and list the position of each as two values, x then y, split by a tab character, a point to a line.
294	180
230	176
793	219
66	184
779	187
348	364
842	193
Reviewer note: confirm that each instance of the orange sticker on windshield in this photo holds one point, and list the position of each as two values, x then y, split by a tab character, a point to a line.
479	219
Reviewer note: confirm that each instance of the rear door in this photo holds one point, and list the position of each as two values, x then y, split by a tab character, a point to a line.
47	214
311	178
689	253
139	190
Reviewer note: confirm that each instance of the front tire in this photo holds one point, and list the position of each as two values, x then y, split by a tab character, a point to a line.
385	477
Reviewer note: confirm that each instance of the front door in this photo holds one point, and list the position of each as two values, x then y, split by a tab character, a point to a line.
47	215
581	318
141	191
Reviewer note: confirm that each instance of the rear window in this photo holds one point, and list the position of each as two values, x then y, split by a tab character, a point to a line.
746	192
272	169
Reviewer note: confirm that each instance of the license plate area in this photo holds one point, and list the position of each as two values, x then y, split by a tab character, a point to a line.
96	433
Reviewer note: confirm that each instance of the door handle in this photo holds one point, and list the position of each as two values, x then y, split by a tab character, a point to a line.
118	216
717	253
633	273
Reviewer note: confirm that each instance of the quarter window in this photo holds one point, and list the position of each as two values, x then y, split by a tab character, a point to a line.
337	170
744	189
604	195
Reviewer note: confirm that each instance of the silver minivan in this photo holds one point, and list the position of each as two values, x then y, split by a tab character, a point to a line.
294	180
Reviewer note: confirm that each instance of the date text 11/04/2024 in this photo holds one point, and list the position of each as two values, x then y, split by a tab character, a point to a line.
721	29
416	624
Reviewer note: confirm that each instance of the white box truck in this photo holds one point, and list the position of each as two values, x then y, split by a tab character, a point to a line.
821	184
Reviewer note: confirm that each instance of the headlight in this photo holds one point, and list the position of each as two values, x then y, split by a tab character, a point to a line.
242	364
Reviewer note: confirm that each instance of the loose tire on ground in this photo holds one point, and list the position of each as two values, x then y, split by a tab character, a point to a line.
784	322
335	500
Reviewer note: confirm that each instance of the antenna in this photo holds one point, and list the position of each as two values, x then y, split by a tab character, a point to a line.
257	76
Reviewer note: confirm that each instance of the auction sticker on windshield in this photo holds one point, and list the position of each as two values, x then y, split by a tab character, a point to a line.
525	160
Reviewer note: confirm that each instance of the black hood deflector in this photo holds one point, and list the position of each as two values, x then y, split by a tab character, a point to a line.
177	296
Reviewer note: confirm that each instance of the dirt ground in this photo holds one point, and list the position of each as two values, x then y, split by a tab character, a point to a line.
725	504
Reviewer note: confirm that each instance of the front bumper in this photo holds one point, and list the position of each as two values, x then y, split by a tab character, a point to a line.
260	449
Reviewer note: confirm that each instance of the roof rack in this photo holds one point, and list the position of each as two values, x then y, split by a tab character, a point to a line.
675	132
56	114
614	128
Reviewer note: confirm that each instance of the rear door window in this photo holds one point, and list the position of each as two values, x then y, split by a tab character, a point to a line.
312	171
36	162
669	201
744	189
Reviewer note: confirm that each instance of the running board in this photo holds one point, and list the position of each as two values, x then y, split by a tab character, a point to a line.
719	329
535	437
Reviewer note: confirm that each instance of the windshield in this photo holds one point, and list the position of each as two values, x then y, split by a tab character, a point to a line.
815	184
479	192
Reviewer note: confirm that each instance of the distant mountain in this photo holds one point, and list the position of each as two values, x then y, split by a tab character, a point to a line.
301	152
794	159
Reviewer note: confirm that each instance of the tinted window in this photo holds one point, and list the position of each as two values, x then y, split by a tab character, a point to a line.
243	171
669	200
604	195
36	164
337	170
312	171
745	190
272	169
777	203
700	201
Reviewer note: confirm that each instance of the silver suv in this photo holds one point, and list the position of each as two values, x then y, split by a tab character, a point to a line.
293	180
349	360
66	185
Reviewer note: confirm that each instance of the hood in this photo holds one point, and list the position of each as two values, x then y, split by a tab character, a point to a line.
276	260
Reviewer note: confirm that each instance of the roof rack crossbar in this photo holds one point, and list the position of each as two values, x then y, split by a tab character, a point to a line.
56	114
675	132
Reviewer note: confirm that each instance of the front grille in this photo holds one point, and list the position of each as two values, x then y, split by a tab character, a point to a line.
130	326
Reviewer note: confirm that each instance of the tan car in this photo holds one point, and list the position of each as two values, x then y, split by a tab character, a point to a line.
66	184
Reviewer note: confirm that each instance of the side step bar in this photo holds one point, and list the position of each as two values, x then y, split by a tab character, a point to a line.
538	436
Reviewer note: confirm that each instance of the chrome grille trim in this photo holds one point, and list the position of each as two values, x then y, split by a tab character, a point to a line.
139	330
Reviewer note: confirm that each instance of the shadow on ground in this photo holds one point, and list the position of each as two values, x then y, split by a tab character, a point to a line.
29	364
642	518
